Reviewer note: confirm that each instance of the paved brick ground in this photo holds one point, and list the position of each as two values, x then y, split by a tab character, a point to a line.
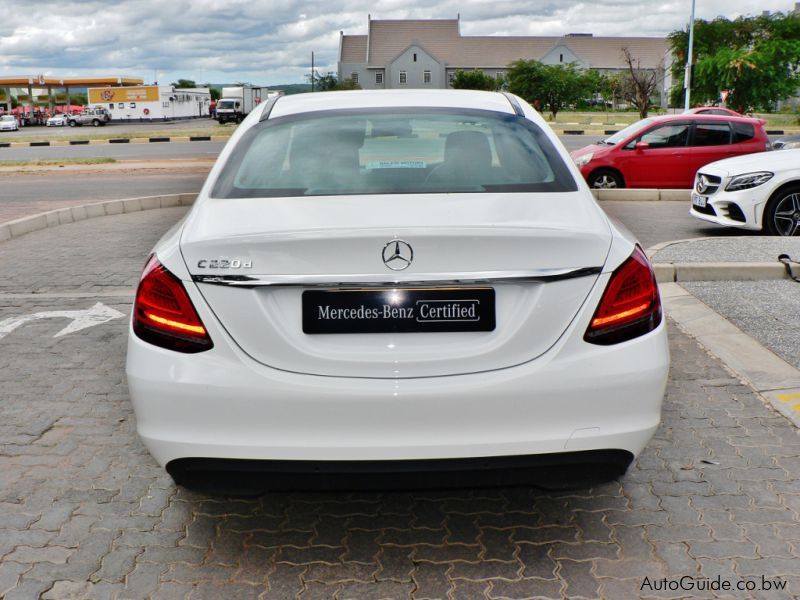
86	513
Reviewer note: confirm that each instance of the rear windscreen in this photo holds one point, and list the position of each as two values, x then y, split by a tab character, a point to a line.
382	152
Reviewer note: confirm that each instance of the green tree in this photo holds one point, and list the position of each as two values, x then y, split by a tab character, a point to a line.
329	82
215	93
475	80
184	83
609	88
757	59
346	84
551	86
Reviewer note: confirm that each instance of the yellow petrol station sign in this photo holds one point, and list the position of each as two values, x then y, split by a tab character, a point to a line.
144	93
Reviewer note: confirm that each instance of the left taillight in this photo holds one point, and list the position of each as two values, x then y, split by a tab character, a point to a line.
163	313
630	306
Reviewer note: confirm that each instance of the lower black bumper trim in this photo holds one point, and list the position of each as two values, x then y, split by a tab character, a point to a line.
242	476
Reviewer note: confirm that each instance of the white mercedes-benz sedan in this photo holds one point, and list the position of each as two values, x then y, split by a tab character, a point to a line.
395	288
757	191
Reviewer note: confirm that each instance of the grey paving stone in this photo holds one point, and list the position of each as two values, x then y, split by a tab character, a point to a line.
579	579
537	561
82	501
525	588
464	589
395	564
431	581
382	590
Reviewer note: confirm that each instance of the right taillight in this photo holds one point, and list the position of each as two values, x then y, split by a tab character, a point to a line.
630	306
163	313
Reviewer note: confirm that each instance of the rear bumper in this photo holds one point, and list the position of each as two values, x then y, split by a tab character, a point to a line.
222	404
237	475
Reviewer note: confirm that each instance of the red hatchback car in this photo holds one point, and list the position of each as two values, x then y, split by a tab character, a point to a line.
666	152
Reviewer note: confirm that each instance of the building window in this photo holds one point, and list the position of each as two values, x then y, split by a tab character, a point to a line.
426	77
415	57
403	78
560	58
111	106
354	77
499	75
121	105
133	104
451	77
379	77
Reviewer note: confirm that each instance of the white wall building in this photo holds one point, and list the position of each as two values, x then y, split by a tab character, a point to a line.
402	54
151	102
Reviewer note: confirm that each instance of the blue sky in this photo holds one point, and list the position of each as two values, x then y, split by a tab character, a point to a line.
270	41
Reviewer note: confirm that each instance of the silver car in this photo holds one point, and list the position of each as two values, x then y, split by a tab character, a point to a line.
8	123
59	120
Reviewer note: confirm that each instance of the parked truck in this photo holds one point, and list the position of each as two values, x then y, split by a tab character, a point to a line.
237	102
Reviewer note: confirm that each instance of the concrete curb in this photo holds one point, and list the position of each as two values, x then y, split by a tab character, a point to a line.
676	272
136	140
639	195
53	218
718	271
775	380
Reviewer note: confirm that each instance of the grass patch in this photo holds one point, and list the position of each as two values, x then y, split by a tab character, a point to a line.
57	162
91	133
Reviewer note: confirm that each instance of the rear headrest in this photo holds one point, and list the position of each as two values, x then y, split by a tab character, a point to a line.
467	147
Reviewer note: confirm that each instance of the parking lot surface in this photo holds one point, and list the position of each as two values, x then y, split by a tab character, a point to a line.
765	310
85	512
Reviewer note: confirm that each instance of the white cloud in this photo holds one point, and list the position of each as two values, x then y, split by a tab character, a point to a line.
270	41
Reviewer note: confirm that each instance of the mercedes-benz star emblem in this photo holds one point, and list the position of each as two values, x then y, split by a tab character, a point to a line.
702	184
397	255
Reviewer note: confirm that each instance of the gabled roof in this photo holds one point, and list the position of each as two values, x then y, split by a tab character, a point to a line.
441	38
387	39
354	49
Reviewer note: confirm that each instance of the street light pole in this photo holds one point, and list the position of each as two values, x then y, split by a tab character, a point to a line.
687	76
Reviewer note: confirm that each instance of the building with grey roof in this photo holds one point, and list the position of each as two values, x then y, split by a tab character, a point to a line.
396	54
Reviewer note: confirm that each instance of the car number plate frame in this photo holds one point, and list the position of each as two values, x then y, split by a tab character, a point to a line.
398	310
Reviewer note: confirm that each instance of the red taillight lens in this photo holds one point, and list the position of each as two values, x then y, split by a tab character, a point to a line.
164	315
630	306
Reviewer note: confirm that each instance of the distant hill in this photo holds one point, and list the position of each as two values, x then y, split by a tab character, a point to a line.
288	88
292	88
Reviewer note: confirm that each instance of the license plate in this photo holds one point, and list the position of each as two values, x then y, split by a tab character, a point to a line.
699	201
401	310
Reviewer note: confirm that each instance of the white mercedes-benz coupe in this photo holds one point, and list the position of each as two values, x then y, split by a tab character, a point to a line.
395	287
756	191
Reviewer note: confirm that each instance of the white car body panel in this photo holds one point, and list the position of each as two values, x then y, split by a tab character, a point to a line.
785	165
462	233
267	391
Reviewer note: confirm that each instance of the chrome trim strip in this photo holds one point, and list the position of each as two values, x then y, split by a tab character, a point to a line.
265	112
514	104
422	279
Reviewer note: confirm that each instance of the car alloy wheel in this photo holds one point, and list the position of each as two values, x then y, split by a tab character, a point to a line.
605	180
782	215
